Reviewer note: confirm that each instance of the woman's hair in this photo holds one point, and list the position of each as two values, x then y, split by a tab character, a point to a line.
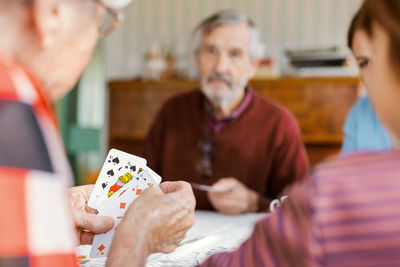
354	26
387	14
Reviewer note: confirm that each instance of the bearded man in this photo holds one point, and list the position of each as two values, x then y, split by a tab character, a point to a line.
226	135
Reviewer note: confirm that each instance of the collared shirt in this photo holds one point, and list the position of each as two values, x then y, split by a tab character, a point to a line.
218	124
35	227
363	130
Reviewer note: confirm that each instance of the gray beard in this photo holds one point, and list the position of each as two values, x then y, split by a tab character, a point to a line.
223	101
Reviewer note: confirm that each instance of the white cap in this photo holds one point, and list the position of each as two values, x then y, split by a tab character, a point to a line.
117	4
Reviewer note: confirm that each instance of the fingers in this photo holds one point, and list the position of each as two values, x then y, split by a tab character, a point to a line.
89	224
225	184
227	188
86	238
83	190
233	202
171	225
181	191
227	205
233	198
150	191
170	187
173	244
174	230
182	219
87	188
93	223
79	195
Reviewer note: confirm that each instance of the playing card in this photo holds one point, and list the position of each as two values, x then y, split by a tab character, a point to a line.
113	162
125	174
116	207
127	194
102	243
155	175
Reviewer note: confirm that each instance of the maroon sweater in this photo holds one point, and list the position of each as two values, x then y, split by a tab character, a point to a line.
261	148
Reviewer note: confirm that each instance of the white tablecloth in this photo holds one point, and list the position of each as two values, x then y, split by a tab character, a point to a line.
212	233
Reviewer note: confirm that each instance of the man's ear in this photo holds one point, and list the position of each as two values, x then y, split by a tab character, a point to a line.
253	67
46	19
196	59
194	64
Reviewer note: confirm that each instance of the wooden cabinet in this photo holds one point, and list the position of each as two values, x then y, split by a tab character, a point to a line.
319	104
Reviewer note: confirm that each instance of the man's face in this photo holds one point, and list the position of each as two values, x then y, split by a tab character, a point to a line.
62	43
224	63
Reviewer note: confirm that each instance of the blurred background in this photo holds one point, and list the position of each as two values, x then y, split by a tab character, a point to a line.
148	54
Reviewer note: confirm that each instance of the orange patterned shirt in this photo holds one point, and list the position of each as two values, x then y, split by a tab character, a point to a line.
36	228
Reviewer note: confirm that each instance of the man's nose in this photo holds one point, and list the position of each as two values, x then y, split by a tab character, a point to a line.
222	64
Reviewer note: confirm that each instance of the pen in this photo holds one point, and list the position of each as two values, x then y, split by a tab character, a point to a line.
203	187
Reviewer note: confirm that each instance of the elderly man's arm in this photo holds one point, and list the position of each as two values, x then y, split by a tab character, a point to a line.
153	223
290	163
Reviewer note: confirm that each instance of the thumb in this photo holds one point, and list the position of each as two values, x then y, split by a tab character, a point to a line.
151	191
94	223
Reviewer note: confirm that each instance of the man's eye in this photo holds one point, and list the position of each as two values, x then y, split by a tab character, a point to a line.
363	63
210	50
235	53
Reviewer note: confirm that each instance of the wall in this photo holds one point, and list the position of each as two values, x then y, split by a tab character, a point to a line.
283	23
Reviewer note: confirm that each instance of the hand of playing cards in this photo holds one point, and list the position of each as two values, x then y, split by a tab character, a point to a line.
122	179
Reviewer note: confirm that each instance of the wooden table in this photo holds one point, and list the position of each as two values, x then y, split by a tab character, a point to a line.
320	105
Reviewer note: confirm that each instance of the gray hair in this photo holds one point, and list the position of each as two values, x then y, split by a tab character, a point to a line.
227	17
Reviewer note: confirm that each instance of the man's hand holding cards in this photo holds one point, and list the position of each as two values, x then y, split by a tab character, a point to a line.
122	179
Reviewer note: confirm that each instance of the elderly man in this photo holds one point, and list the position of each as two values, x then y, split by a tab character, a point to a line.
348	212
226	134
45	44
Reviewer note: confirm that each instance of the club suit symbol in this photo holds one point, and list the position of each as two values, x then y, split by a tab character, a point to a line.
115	161
130	167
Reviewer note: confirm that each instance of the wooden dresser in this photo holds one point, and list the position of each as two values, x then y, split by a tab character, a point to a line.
319	104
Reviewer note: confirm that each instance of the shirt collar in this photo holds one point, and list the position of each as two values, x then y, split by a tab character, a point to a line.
218	124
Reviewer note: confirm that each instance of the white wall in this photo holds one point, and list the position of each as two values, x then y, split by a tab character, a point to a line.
283	23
